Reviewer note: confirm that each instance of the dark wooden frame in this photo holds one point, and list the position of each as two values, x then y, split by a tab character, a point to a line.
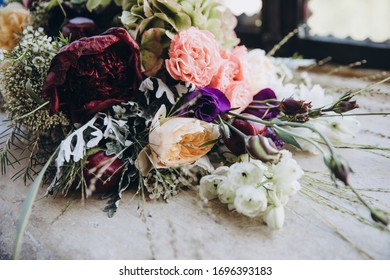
279	17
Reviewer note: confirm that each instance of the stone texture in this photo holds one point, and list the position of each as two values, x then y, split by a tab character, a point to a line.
185	228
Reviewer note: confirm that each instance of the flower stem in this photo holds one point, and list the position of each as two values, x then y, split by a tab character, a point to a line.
278	123
315	144
33	111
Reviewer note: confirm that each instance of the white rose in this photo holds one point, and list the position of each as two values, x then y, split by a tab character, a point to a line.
274	217
250	201
263	71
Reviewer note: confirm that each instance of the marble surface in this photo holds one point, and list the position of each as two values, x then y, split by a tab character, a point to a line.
322	222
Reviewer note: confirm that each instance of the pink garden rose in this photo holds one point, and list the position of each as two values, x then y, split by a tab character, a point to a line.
193	57
239	94
233	78
233	68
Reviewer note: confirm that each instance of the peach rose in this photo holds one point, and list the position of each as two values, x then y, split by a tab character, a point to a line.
13	18
193	57
233	78
240	95
234	67
176	141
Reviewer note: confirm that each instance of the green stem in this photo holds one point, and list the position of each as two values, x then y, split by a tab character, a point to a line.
315	144
33	111
357	115
278	123
371	86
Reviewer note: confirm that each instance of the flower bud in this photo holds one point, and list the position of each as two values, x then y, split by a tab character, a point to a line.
103	173
380	216
79	27
293	107
345	106
339	167
274	217
261	148
235	142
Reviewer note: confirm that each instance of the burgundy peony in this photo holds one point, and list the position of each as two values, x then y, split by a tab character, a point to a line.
92	74
235	143
204	104
103	173
79	27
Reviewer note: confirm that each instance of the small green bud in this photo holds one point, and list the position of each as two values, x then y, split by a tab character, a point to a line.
380	216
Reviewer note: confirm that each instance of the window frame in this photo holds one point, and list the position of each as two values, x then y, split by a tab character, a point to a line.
280	17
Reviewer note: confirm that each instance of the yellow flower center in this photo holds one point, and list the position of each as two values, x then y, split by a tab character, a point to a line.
189	146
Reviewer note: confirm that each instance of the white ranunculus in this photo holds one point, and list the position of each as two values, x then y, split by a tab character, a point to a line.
286	170
288	189
226	192
245	173
250	201
208	184
274	217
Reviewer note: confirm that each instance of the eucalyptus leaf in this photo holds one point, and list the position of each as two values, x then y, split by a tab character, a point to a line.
287	138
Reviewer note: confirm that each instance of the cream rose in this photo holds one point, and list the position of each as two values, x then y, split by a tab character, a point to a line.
13	18
176	141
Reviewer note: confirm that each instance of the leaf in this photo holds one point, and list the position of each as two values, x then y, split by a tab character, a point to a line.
93	4
117	128
289	139
27	207
75	145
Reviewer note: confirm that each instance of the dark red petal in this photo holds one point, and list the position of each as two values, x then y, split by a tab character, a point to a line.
95	106
54	102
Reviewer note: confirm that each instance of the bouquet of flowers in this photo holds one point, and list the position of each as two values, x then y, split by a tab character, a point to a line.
104	96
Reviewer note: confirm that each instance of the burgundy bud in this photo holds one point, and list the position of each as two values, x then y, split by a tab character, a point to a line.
339	168
293	107
28	3
235	142
345	106
103	173
79	27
